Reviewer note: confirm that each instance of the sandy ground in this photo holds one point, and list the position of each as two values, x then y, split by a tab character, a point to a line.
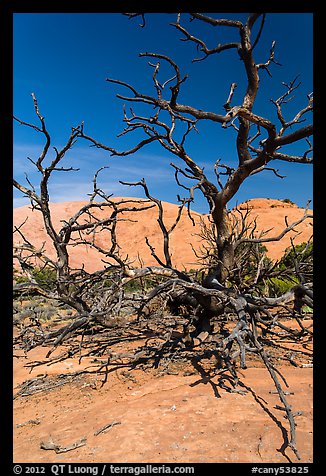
182	416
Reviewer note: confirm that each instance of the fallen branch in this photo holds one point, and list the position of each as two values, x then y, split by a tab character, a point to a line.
51	445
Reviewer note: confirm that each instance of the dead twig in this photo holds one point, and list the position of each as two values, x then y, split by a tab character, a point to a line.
107	427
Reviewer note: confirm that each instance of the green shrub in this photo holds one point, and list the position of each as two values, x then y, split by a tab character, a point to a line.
142	284
287	200
25	313
45	277
305	251
307	310
279	286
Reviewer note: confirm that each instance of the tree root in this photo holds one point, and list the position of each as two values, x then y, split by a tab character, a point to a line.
200	306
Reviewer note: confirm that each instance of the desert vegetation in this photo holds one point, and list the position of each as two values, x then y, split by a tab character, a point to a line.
226	308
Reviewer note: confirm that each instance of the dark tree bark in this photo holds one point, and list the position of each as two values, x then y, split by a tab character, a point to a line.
101	295
258	139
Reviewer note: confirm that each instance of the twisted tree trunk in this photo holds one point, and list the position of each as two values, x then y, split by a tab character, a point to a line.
224	244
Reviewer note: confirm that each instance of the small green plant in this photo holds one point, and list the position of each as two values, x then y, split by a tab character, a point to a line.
287	200
307	310
45	277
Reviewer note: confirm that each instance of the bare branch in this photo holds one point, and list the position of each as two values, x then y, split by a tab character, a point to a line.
134	15
200	43
289	227
270	60
165	231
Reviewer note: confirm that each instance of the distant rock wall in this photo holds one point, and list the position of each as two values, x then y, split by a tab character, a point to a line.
131	234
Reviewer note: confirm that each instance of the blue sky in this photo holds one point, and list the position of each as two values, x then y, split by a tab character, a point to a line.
65	58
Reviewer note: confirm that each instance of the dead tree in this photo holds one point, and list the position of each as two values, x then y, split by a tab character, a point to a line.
77	288
72	285
259	141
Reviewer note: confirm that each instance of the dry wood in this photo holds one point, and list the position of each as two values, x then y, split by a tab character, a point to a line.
51	445
200	305
29	422
107	427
